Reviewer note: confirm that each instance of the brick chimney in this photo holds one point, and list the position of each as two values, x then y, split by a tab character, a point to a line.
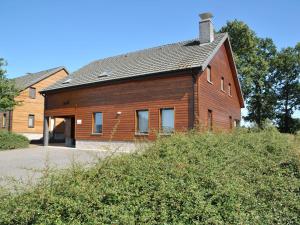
206	28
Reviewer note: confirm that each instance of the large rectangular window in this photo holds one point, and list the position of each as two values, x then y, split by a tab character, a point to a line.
167	120
209	120
98	122
4	120
32	92
142	120
31	121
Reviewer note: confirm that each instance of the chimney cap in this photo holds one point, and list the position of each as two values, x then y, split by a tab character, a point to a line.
206	16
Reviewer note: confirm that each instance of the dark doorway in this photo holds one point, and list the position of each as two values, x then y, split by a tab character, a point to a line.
73	131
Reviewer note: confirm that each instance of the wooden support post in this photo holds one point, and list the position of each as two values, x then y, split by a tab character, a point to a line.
68	138
46	131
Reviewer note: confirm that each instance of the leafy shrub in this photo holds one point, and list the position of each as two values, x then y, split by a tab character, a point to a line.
10	140
239	178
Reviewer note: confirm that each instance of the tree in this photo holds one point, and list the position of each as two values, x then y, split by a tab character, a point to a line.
8	91
254	57
287	77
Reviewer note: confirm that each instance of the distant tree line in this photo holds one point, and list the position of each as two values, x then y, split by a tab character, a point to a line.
269	77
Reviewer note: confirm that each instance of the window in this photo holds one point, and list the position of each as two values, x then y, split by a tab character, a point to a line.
32	92
208	73
142	118
222	84
236	123
229	89
230	122
209	120
98	122
31	121
167	120
4	120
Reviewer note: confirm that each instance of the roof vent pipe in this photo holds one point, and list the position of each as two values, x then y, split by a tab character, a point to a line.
206	28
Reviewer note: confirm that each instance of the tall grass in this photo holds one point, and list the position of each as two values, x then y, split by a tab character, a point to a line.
239	178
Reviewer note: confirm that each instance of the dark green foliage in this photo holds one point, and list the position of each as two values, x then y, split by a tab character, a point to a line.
10	140
8	91
254	57
287	77
239	178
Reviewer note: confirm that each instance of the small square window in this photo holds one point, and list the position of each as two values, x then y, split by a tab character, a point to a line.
32	92
142	121
236	123
208	74
31	121
98	122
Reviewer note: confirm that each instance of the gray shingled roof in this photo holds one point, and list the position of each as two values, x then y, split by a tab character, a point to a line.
30	79
171	57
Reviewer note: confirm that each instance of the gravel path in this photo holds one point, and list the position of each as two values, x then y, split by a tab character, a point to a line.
23	165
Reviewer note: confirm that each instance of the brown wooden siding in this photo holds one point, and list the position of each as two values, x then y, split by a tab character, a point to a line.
189	94
127	97
212	97
33	106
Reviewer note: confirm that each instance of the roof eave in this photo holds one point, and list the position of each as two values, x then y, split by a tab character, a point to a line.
120	79
39	80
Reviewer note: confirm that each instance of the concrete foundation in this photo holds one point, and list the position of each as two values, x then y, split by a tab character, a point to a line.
117	146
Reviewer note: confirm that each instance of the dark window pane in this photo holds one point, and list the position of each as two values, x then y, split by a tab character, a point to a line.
4	120
98	122
142	120
167	120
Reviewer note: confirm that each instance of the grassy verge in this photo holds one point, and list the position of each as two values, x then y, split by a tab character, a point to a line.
239	178
9	140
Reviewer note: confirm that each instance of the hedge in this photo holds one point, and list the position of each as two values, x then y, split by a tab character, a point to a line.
9	140
239	178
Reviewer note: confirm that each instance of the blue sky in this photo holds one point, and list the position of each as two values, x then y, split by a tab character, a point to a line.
36	35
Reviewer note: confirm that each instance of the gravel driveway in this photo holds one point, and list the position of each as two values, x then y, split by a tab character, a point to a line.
22	164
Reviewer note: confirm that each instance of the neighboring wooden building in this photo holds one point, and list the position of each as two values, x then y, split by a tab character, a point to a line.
160	90
27	117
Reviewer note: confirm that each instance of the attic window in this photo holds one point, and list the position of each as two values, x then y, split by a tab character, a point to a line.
192	43
104	74
67	81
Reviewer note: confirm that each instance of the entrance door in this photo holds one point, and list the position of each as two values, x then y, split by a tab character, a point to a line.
70	131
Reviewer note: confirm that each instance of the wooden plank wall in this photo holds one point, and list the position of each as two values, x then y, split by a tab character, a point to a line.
127	97
212	97
33	106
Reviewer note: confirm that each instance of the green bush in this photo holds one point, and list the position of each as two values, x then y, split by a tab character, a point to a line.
239	178
10	140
